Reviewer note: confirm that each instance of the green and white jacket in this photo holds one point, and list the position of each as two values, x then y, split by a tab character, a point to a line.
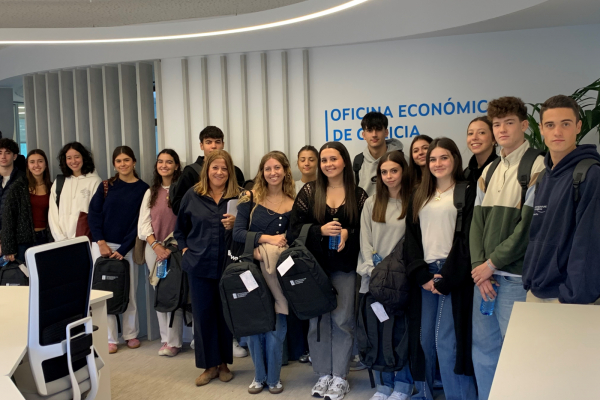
500	225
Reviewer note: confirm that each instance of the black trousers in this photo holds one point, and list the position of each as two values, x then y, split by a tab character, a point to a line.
213	341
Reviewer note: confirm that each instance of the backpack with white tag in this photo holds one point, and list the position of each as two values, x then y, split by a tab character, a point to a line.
15	273
247	302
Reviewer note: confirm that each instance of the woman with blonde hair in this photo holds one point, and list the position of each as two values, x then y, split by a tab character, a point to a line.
200	233
266	210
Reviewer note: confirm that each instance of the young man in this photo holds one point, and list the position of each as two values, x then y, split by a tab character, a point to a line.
375	132
561	263
499	236
211	138
8	154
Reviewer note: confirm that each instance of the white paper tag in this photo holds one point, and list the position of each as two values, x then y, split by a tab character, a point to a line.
249	281
285	266
380	312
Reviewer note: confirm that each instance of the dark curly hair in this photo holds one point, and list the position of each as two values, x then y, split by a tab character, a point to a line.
9	145
503	106
88	160
157	179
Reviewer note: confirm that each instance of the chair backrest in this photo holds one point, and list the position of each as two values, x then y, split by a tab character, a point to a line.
60	284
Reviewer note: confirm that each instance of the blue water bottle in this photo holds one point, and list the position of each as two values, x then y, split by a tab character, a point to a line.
376	258
487	307
334	241
161	269
4	260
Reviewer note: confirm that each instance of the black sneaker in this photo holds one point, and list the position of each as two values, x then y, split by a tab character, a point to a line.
304	357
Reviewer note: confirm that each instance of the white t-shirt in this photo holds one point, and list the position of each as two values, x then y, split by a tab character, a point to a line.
438	220
299	186
5	180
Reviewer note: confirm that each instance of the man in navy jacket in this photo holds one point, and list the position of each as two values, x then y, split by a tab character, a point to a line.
562	263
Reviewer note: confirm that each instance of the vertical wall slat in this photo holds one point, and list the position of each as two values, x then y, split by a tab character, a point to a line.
186	110
29	96
54	120
160	119
145	107
7	112
97	122
265	101
67	106
286	105
225	99
204	72
130	129
41	113
245	123
82	108
307	135
112	111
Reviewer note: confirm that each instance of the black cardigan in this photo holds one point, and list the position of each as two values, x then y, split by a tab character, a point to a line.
473	172
330	260
456	281
17	218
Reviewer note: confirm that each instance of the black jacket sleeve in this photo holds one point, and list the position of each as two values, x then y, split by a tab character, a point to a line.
188	178
414	256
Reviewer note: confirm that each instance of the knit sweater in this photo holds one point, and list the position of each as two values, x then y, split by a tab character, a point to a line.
115	218
17	219
500	228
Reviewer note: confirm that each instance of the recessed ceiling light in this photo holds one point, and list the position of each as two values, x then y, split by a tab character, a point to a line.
307	17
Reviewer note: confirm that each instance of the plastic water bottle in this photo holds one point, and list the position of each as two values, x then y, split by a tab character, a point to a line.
376	258
161	269
334	241
487	307
4	260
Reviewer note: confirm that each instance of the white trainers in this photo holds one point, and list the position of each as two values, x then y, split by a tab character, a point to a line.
239	351
398	396
255	387
321	386
378	396
337	389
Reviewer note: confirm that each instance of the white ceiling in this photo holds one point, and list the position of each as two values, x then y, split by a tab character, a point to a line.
106	13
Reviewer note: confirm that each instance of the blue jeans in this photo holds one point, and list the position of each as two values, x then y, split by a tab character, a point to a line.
489	331
266	350
438	336
399	381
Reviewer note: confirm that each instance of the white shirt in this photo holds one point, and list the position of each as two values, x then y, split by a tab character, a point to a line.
438	220
5	180
299	186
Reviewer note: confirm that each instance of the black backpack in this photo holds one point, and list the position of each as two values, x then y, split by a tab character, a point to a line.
382	346
246	312
112	275
12	275
579	174
305	285
389	283
173	188
60	182
173	291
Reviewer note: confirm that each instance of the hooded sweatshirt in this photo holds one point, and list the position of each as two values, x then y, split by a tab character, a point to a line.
562	256
367	176
74	199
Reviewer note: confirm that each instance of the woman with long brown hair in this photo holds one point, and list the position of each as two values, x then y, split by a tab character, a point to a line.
113	218
417	159
266	210
332	204
481	142
439	270
25	214
200	233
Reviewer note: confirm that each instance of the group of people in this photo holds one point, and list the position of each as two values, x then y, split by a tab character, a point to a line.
510	241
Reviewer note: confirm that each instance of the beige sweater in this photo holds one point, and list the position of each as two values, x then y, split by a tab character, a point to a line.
268	265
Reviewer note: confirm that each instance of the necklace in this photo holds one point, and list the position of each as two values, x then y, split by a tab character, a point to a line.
278	205
167	189
335	187
439	194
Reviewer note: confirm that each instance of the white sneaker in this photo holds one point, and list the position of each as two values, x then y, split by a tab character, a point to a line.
378	396
337	389
239	351
255	387
321	386
398	396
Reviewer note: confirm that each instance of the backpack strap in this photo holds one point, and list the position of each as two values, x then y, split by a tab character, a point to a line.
60	182
460	193
490	172
357	165
387	345
105	184
301	240
249	248
196	167
524	170
580	173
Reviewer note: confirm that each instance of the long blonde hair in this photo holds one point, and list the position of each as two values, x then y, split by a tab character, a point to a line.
203	185
260	183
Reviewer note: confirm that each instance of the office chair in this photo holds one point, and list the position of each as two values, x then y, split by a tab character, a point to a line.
61	363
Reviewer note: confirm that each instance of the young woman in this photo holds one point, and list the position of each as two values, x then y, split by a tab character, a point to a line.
481	142
25	214
156	223
113	218
200	233
333	195
307	164
268	215
416	162
439	266
381	228
67	215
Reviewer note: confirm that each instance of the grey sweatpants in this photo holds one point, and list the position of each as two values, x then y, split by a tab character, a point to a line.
331	355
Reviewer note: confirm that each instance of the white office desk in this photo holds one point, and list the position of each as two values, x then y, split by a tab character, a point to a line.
14	314
550	352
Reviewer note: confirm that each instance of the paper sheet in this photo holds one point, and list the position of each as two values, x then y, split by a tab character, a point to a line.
249	281
380	312
285	266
